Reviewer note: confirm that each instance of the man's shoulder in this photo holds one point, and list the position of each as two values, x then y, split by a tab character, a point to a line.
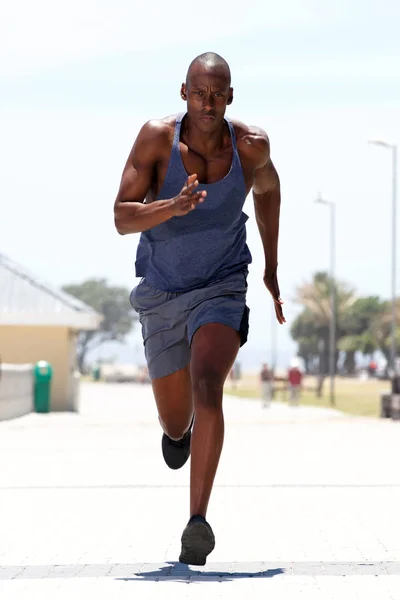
159	129
154	139
251	139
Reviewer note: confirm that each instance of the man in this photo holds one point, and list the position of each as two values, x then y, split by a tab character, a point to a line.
183	187
266	382
295	378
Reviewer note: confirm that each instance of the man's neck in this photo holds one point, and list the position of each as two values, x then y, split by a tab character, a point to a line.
204	143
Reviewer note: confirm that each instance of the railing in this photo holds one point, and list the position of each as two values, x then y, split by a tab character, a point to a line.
16	390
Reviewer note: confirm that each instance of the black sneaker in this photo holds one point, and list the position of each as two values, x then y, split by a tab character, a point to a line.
176	453
197	542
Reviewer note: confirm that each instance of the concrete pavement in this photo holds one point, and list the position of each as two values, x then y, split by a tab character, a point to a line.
305	504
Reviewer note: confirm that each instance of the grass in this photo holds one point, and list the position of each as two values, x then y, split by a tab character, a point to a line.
352	396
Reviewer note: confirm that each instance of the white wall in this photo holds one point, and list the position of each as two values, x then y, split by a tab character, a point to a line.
26	344
16	390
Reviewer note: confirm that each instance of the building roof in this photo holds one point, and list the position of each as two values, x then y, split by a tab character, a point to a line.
25	300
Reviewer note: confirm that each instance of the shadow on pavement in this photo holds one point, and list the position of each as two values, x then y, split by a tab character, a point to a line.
175	571
213	571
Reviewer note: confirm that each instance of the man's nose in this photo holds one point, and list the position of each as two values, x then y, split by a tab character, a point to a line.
208	101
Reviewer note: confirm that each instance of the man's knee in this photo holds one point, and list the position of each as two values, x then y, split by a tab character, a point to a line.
173	395
214	349
175	428
208	385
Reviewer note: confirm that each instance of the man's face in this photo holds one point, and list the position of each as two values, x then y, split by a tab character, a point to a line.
207	93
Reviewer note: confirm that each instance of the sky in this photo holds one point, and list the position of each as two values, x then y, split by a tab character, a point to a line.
78	80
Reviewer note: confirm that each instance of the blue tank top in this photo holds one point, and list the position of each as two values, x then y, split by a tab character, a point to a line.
208	243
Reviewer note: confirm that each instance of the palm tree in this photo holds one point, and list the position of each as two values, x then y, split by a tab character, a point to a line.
381	328
356	329
314	296
363	324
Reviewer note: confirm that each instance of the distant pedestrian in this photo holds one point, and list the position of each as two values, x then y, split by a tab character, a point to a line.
372	368
267	385
295	378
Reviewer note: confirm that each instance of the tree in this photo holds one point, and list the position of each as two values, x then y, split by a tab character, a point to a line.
356	328
110	301
381	328
362	324
314	296
305	332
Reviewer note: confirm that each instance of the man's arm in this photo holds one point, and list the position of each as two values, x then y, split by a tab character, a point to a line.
130	214
267	203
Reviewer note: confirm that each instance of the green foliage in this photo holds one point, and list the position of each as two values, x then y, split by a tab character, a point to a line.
363	324
110	301
314	296
311	328
381	327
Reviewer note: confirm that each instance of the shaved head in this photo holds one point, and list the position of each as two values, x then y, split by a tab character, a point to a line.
209	61
207	91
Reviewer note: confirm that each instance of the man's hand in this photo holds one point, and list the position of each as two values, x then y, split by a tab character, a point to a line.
271	283
188	198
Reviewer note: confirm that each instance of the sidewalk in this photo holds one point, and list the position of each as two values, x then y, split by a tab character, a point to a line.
305	505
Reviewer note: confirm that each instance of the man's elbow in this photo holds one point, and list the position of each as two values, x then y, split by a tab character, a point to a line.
120	219
119	227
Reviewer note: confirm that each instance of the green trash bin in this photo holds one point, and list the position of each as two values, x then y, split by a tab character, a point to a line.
96	373
43	374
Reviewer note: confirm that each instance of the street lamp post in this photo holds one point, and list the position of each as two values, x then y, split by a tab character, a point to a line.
332	322
273	339
393	149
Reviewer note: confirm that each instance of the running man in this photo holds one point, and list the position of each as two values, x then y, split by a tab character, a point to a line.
183	188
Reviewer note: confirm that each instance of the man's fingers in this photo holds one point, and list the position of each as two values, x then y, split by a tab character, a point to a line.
189	188
278	310
273	287
194	204
279	314
191	179
197	198
190	182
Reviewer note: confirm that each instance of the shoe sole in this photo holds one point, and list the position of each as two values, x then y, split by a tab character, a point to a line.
197	543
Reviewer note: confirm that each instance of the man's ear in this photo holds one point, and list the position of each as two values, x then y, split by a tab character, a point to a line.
183	91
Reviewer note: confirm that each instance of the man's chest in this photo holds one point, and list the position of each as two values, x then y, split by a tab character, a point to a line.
209	169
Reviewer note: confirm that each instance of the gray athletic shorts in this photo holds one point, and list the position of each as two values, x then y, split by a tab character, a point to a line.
170	319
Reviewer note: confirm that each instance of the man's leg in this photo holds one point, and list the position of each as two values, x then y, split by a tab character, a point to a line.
173	395
292	395
268	394
264	393
296	394
163	317
214	349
